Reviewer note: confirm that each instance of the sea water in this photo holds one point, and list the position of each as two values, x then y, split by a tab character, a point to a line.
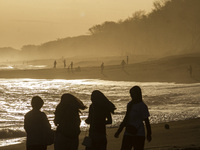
166	101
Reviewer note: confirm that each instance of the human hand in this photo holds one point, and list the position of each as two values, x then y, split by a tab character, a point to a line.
116	135
149	138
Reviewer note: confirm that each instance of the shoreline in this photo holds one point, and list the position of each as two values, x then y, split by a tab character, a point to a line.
181	135
132	72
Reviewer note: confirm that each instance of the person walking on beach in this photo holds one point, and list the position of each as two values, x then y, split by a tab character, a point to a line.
99	116
102	67
137	112
71	65
123	63
64	61
55	63
190	70
67	120
36	126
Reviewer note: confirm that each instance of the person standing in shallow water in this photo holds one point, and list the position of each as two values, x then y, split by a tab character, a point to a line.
67	120
99	116
36	126
137	112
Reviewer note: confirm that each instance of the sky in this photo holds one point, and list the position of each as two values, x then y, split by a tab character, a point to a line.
24	22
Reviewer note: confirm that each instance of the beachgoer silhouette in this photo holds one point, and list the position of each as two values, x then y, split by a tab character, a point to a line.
67	120
55	63
123	63
71	65
190	70
64	61
137	112
127	59
102	67
99	115
36	126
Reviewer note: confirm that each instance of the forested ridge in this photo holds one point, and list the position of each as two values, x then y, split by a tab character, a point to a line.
171	28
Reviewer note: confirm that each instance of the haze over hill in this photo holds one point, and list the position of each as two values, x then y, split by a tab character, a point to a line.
171	28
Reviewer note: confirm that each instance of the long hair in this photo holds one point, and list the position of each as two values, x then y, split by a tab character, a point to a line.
100	101
136	94
69	104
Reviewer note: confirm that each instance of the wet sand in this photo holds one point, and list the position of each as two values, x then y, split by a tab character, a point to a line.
182	135
143	72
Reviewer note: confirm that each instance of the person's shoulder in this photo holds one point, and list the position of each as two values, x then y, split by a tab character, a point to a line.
142	104
43	114
28	113
129	103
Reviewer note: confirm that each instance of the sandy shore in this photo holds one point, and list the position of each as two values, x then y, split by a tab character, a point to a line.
168	69
133	72
182	135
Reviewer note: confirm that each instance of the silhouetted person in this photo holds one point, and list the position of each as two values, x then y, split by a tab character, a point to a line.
102	67
71	65
190	70
99	115
67	120
123	63
64	63
137	112
36	126
127	59
55	63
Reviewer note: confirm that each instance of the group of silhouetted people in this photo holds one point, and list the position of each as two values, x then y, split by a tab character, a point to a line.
67	121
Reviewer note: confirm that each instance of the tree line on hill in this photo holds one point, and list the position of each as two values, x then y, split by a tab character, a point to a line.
172	27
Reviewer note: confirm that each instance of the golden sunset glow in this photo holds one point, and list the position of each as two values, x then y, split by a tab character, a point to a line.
35	22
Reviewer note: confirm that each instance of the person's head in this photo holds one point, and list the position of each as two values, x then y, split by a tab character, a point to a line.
136	94
97	96
99	100
37	102
70	101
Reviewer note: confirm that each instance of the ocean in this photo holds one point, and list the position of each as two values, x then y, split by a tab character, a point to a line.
166	101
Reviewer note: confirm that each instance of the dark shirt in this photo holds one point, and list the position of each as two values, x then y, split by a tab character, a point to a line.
36	126
68	123
98	119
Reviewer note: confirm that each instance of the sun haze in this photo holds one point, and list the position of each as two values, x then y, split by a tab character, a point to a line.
35	22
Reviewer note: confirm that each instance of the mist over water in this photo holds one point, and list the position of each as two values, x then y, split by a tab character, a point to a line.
166	101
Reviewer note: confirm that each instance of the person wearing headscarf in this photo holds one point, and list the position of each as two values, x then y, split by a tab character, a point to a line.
37	126
99	116
137	113
67	120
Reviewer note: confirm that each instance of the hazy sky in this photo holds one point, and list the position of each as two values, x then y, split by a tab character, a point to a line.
25	22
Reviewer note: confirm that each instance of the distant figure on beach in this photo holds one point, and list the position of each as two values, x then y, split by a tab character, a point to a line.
190	70
102	67
64	61
99	116
123	63
67	120
36	126
137	112
55	63
71	65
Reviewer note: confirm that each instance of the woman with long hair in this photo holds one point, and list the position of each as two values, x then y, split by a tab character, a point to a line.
137	113
67	120
99	116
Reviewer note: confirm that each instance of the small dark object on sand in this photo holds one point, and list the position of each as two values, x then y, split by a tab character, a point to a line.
166	126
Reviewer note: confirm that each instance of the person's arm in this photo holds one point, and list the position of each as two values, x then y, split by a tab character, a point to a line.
88	120
46	122
148	127
122	125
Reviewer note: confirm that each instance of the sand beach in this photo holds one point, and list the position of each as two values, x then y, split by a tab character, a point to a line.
182	135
